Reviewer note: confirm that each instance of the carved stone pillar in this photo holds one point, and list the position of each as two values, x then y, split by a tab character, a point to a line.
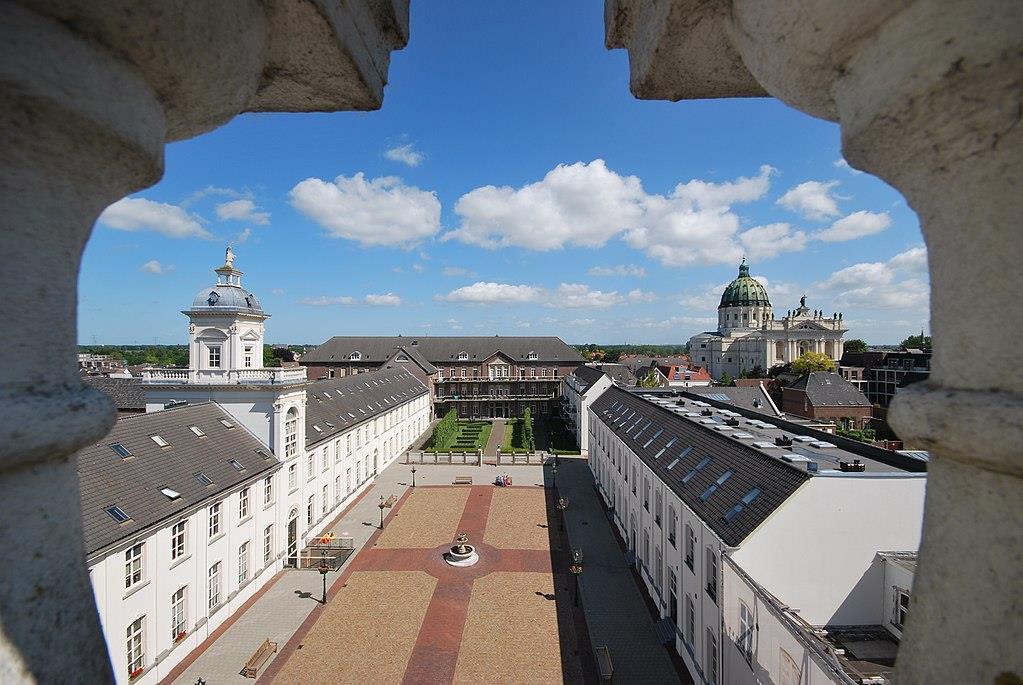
928	95
90	92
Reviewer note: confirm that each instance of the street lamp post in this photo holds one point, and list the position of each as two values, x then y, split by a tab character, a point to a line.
413	476
562	505
554	476
576	568
324	569
381	505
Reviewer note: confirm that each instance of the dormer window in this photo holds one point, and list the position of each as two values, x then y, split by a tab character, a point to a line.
462	356
213	298
532	356
355	356
249	302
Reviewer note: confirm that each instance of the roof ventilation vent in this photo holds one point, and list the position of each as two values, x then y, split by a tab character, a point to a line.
783	441
680	403
732	421
855	466
707	412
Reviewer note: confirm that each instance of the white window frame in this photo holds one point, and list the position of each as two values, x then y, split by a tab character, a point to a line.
136	645
179	613
134	565
243	504
268	490
268	544
213	356
213	586
746	625
215	519
179	539
292	476
243	562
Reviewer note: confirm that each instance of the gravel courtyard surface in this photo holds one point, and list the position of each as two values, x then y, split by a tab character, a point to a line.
400	614
518	519
345	645
427	518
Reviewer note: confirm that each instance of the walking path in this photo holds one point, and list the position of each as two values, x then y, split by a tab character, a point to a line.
496	438
280	611
616	613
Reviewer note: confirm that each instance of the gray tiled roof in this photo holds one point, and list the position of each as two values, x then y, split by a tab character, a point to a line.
620	374
133	484
337	404
444	349
750	468
126	393
587	375
415	356
825	389
745	397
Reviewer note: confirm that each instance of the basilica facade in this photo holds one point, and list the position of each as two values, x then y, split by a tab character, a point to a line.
749	336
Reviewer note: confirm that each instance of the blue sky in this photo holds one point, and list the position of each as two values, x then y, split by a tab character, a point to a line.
509	185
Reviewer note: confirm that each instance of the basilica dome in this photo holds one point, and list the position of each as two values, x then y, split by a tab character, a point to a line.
744	291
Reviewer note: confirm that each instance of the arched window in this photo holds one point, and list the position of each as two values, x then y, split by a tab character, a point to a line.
462	356
779	350
829	348
355	356
291	433
532	356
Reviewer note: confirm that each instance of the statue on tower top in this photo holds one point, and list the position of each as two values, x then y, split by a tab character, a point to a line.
229	257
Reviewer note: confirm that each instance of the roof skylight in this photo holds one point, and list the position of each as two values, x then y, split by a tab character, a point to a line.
118	514
121	451
159	440
225	423
696	469
236	464
203	478
170	493
745	502
715	485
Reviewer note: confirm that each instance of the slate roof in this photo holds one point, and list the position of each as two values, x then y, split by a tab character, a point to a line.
629	415
745	397
619	373
824	389
444	349
415	356
587	375
133	484
126	393
336	405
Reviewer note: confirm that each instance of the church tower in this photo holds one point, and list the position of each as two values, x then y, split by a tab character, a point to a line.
225	353
744	303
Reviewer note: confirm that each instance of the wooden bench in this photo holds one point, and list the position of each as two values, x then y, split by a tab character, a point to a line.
257	660
462	480
605	667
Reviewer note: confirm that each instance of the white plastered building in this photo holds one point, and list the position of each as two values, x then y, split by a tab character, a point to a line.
704	505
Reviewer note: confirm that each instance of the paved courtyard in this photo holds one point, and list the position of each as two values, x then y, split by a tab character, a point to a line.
399	613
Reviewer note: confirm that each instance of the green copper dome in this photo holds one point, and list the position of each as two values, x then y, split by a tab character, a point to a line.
744	291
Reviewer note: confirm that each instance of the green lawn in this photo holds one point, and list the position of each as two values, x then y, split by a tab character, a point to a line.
513	440
470	436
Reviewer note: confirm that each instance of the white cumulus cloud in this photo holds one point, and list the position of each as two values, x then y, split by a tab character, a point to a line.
587	204
452	271
842	164
140	214
242	210
618	270
483	292
812	200
382	211
855	225
327	301
764	242
565	296
406	154
638	295
386	300
894	284
155	267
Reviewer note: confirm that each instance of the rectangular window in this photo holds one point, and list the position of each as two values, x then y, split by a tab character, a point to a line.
243	562
712	658
901	608
310	466
268	544
292	476
268	490
248	356
178	540
326	458
325	502
348	480
136	647
214	520
243	503
690	620
310	509
691	543
213	586
214	356
712	574
179	616
133	571
672	525
746	632
337	489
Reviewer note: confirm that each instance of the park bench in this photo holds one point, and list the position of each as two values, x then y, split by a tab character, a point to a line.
605	667
462	480
257	660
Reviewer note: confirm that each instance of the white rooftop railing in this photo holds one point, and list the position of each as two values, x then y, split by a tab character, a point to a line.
275	376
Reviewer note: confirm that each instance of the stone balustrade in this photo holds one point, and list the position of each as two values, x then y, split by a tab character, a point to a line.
269	376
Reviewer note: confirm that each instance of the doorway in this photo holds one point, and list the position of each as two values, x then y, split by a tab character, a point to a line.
293	540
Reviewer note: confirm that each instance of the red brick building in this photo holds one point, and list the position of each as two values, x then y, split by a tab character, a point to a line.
827	396
481	377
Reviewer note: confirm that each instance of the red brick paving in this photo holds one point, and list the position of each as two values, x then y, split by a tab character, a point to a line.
435	654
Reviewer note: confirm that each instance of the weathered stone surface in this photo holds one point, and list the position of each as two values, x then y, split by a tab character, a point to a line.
928	96
90	92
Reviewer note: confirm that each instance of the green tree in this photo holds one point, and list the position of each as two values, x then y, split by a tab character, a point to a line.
812	361
855	345
918	341
726	379
527	430
651	380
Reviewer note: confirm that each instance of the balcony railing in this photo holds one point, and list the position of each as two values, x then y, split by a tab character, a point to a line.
276	376
469	398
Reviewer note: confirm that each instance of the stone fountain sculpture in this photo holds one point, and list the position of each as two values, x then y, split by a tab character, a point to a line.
462	553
